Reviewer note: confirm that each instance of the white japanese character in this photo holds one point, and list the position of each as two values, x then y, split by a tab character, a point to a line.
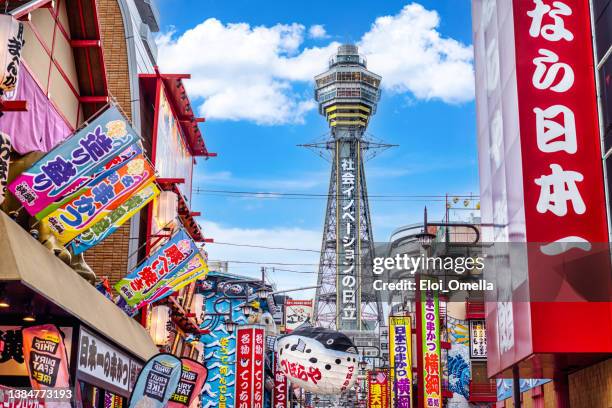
544	77
563	245
551	32
554	135
557	188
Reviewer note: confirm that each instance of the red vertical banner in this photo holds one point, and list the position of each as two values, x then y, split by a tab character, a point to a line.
46	360
259	346
279	396
193	377
244	366
378	389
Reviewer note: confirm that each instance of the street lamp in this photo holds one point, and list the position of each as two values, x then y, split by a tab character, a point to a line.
246	309
363	364
262	292
230	325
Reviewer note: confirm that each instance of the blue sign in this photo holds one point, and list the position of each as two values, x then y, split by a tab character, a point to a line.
157	382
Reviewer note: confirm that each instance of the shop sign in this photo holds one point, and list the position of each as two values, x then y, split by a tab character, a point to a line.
378	390
11	38
249	366
5	158
46	359
190	385
478	339
105	365
99	200
111	222
165	262
430	315
195	269
279	394
400	355
297	312
157	382
74	163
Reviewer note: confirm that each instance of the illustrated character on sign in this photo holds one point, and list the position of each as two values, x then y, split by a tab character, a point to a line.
319	360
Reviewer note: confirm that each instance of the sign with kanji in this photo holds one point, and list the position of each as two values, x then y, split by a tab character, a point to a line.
74	163
190	385
478	339
165	262
195	269
99	200
378	390
279	394
46	359
432	375
400	356
250	346
115	219
104	365
297	312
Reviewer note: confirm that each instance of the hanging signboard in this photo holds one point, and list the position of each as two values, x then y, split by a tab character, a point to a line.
430	315
279	394
190	385
157	381
94	353
478	339
11	38
165	262
46	360
99	200
378	390
115	219
297	312
74	163
400	355
250	344
5	157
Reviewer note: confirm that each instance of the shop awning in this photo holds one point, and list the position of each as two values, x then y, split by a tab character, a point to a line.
24	259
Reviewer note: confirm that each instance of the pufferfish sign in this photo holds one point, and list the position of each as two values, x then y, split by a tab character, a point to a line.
318	360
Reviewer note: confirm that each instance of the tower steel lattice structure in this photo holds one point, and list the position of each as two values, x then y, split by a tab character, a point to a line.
347	95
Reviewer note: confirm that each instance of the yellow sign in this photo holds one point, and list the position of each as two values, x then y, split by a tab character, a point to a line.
400	358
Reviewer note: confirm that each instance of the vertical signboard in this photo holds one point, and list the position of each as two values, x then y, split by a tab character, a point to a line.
432	376
156	382
347	246
297	312
400	356
478	339
250	344
190	385
279	396
378	390
541	177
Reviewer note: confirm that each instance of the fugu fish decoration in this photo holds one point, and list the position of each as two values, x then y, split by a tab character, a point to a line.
318	360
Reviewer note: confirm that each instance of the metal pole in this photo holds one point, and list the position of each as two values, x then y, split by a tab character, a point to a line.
516	386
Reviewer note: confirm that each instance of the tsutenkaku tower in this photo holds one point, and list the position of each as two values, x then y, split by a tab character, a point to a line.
347	95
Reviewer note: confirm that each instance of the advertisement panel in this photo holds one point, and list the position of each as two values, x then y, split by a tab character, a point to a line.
99	200
432	375
478	339
190	385
541	178
279	396
297	312
46	360
400	354
172	157
250	345
94	353
73	164
378	390
156	382
169	259
111	222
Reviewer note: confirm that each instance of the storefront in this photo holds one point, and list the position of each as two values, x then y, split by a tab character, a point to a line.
105	349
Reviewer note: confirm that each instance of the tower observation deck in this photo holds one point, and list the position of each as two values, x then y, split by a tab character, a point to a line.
347	94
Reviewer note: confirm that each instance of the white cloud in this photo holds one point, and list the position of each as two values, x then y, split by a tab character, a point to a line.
246	72
412	56
257	257
317	31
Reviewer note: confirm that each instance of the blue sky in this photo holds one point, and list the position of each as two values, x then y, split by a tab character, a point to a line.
252	82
